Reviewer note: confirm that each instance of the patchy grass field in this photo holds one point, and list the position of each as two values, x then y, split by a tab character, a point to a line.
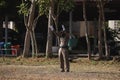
48	69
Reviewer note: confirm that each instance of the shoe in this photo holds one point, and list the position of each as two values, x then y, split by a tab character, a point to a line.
67	71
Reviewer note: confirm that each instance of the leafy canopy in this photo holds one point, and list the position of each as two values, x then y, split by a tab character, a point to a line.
2	3
43	6
24	7
63	5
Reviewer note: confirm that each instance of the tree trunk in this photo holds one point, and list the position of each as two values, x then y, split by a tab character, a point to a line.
31	25
100	41
30	31
99	34
26	44
86	31
35	44
55	16
56	26
34	38
103	25
49	35
95	35
32	43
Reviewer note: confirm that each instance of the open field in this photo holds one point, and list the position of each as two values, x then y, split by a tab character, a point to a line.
48	69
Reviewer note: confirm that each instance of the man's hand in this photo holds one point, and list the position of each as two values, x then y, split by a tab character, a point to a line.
63	27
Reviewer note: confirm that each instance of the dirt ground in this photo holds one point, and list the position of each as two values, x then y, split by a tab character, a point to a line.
79	70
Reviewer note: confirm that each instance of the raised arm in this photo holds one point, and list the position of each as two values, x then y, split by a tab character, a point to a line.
58	34
52	29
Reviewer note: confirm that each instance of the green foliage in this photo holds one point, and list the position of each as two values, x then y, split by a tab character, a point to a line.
66	5
24	8
2	3
43	6
63	5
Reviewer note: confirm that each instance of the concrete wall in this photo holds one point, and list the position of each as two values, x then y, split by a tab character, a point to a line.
78	28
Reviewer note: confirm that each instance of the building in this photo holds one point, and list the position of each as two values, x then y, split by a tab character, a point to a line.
115	25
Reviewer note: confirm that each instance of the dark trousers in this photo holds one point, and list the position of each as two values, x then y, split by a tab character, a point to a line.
64	61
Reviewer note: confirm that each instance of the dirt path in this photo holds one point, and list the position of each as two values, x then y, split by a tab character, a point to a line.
51	72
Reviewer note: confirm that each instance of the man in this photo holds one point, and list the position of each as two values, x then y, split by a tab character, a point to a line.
63	49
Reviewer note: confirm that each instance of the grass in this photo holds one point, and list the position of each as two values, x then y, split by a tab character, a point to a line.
81	69
28	61
54	61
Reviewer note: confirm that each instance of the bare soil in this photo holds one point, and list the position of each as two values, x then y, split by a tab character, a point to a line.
48	69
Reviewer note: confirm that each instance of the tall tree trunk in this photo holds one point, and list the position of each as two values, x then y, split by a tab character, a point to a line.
99	33
49	34
104	29
35	44
34	38
26	44
31	25
29	33
100	40
86	30
56	26
32	43
55	17
95	35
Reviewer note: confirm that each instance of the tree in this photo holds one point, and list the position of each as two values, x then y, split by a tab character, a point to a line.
99	32
86	30
58	7
49	36
28	9
101	4
53	8
45	7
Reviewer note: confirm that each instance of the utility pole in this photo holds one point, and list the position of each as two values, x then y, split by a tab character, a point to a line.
6	29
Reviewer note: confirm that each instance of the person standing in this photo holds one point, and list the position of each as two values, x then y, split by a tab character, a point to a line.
63	49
